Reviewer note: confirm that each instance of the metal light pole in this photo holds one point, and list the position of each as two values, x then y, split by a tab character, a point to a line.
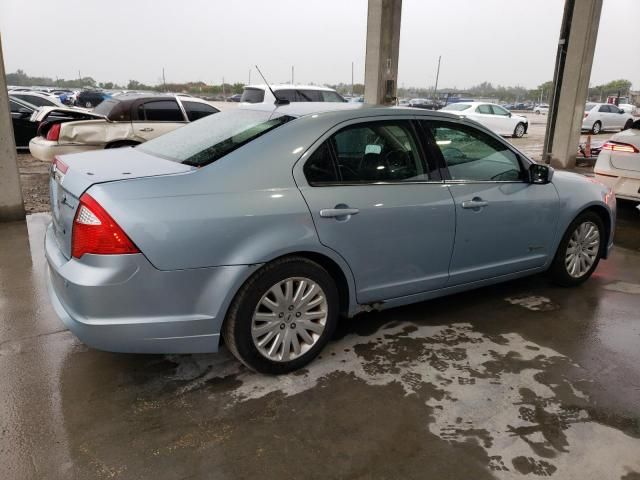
435	89
352	79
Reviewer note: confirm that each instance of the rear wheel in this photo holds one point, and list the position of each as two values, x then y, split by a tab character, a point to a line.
628	125
579	251
597	128
283	316
518	132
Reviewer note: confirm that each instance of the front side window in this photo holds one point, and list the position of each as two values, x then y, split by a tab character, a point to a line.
498	110
328	96
371	152
475	156
160	111
604	109
485	109
197	110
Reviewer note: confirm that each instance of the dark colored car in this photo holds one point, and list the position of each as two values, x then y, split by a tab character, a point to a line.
23	128
234	98
91	98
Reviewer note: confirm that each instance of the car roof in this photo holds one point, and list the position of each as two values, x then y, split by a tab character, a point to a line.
36	93
291	87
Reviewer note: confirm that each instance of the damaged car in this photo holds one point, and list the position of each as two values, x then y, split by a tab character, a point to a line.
121	121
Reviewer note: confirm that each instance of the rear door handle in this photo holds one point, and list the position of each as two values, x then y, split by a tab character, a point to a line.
338	212
148	129
476	203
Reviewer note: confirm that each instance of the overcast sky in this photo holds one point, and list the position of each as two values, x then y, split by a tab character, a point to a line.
505	42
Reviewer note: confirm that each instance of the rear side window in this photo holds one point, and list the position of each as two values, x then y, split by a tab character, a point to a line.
370	152
15	107
160	111
252	95
196	110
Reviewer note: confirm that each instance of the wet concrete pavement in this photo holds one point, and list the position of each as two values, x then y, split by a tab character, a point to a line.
520	380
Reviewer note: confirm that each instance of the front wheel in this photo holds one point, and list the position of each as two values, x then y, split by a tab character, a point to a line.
597	128
628	125
518	132
579	251
283	316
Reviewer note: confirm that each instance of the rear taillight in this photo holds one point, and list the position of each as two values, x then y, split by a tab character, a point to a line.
620	147
94	231
54	132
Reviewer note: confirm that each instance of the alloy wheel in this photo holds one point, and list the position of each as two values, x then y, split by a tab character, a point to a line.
289	319
582	249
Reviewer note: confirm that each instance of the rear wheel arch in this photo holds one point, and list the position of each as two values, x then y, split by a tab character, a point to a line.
121	143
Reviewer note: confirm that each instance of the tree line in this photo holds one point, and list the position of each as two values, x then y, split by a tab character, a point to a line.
542	93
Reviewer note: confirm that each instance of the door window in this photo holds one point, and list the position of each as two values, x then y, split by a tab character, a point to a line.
475	156
160	111
498	110
37	101
371	152
604	109
196	110
485	109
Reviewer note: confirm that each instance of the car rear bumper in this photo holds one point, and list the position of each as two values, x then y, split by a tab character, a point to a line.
121	303
46	150
626	188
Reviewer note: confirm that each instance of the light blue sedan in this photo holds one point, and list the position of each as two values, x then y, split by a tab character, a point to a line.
263	226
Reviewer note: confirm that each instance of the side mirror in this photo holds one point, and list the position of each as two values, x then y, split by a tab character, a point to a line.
540	174
621	111
509	114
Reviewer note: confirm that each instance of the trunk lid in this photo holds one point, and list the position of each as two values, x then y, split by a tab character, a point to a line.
74	174
43	113
627	161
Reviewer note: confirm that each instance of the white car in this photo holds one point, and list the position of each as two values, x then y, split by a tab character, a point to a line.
291	93
39	99
543	108
627	107
121	121
494	117
618	165
605	116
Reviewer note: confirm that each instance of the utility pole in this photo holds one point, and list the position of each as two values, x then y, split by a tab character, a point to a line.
352	79
164	81
223	92
11	206
249	77
291	74
435	88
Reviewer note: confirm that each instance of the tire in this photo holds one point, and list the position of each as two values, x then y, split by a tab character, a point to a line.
241	330
560	270
597	128
518	132
628	125
122	143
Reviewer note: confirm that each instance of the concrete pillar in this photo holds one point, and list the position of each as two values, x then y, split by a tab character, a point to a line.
383	45
576	46
11	207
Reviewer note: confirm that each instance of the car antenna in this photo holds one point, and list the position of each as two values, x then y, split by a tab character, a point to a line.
279	101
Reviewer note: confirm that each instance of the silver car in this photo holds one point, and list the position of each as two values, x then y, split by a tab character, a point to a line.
264	225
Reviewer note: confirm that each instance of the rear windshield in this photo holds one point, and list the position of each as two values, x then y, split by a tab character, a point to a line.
589	106
205	141
105	107
252	95
456	107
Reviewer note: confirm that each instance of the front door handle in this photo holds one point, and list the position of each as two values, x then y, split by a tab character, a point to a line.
148	129
338	212
476	203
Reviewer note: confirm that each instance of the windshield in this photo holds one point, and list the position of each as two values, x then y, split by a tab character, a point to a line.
457	107
205	141
104	108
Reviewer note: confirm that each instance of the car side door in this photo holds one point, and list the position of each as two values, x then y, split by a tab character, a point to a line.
617	119
502	117
504	223
606	118
153	118
485	116
377	203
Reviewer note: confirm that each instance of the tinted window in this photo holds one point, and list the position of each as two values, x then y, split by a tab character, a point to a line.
104	108
320	168
484	109
328	96
196	110
497	110
213	137
373	152
474	155
614	109
589	106
252	95
15	107
604	109
37	101
160	111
